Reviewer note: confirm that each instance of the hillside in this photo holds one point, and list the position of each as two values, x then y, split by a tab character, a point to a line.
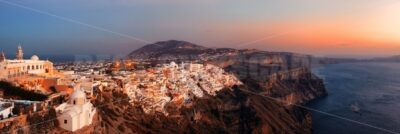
166	49
230	111
253	67
280	75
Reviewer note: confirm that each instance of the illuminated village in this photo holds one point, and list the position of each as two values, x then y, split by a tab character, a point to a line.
176	84
38	86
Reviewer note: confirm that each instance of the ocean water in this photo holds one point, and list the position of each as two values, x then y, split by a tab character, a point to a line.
373	87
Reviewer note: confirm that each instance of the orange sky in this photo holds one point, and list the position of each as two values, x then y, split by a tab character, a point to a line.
375	33
320	27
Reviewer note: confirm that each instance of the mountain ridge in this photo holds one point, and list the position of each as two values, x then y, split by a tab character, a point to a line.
185	51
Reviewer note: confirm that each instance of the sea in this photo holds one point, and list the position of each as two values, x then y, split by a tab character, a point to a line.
364	98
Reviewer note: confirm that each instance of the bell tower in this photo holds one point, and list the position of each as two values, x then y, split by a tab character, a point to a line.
19	55
2	57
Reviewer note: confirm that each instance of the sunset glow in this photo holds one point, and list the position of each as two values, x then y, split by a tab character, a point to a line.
333	27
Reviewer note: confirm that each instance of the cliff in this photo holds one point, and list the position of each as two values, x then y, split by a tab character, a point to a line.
284	76
164	50
295	86
231	111
280	75
234	109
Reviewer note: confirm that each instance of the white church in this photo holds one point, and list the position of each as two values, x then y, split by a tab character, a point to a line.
20	66
77	113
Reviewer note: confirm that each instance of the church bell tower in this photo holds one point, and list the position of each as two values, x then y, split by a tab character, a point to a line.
19	55
2	57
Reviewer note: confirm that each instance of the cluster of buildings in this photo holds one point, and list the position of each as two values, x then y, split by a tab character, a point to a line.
176	84
19	66
152	88
39	76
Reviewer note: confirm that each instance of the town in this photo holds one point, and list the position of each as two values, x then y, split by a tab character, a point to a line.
67	91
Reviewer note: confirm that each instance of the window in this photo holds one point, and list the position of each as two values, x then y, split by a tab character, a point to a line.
65	121
74	102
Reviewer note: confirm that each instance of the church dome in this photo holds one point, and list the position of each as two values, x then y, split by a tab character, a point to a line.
35	57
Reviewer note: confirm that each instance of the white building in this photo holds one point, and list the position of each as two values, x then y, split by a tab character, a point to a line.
77	113
20	66
6	109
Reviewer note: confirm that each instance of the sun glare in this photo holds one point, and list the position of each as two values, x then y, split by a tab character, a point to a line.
389	22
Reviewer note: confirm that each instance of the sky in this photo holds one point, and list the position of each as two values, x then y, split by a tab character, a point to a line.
336	28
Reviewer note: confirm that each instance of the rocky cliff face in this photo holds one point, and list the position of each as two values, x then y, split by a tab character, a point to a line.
259	65
230	111
282	76
295	86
